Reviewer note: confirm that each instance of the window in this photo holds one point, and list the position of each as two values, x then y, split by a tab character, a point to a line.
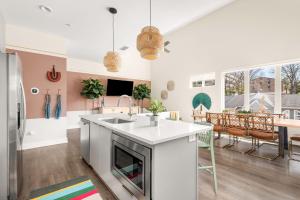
262	90
286	114
234	90
197	84
203	80
297	114
290	89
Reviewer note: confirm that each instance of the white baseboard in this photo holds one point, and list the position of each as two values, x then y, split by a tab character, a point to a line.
44	143
44	132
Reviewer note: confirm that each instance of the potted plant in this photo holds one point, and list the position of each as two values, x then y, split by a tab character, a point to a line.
92	89
141	92
155	107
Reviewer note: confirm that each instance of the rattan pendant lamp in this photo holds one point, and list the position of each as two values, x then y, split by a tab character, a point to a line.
112	60
150	41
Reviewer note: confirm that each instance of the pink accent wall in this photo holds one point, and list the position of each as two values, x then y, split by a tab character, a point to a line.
35	67
76	102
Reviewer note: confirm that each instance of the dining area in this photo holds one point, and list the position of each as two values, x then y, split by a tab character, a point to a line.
256	129
249	151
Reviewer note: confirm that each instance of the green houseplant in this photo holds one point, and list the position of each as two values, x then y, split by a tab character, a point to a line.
141	92
92	89
155	107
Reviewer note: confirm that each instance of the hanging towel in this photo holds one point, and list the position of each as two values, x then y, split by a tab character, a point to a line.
47	106
58	107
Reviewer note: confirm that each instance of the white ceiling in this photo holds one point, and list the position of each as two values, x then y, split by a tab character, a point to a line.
90	34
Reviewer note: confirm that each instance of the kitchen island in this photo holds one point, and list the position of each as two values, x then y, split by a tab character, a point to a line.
138	161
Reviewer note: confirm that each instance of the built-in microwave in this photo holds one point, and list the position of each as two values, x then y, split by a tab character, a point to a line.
131	164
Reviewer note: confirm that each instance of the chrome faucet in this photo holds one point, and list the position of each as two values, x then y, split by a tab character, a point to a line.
130	103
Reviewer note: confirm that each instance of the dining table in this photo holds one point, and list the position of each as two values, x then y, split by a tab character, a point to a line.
283	125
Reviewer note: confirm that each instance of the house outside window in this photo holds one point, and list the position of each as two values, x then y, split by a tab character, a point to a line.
262	84
262	91
286	114
297	114
290	89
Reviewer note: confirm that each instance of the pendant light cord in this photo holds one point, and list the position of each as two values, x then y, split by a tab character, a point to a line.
113	28
150	13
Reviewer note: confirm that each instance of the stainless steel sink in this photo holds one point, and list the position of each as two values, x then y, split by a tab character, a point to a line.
117	121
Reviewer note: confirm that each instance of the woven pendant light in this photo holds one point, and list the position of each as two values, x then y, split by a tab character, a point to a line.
150	42
112	60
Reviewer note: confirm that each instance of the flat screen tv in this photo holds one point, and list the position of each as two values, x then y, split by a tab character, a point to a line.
118	87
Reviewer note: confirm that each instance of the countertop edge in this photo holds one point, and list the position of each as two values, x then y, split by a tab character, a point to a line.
149	142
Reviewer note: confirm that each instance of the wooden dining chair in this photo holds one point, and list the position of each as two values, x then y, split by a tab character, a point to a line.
291	152
217	120
279	116
261	128
236	125
198	116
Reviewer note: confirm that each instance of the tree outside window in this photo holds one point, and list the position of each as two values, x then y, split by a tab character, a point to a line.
290	89
234	90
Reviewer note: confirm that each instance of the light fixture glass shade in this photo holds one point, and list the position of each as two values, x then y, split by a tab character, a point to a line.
112	61
150	43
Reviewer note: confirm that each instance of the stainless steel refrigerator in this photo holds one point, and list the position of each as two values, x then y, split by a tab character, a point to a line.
12	125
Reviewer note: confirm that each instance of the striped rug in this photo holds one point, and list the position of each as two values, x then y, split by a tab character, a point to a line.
74	189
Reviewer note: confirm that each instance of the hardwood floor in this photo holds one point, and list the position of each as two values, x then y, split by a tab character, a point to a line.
243	177
240	177
54	164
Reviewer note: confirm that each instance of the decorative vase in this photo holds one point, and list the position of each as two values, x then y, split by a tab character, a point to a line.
154	120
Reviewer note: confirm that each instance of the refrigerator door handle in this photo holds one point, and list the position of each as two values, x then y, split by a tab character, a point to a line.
24	108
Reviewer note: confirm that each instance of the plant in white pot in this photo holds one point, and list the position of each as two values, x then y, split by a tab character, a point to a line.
155	107
141	92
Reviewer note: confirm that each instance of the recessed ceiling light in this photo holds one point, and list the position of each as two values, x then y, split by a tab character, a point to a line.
68	25
45	8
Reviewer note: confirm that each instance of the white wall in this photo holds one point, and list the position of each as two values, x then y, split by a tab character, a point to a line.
24	39
133	66
2	33
44	132
243	34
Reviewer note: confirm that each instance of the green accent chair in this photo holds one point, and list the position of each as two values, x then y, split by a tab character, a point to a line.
206	141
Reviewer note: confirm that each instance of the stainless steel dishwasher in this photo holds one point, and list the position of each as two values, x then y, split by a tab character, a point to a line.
85	140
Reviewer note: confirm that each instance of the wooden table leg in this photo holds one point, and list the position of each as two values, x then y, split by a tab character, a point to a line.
283	140
218	137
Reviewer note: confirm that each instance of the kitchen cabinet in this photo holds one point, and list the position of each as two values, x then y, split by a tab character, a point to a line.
100	159
85	140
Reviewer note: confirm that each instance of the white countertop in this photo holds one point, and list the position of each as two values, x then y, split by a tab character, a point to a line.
141	130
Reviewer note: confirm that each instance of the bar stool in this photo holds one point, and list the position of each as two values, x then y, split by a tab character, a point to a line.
291	153
206	141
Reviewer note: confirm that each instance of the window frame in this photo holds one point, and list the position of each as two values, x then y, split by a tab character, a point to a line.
298	114
278	84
